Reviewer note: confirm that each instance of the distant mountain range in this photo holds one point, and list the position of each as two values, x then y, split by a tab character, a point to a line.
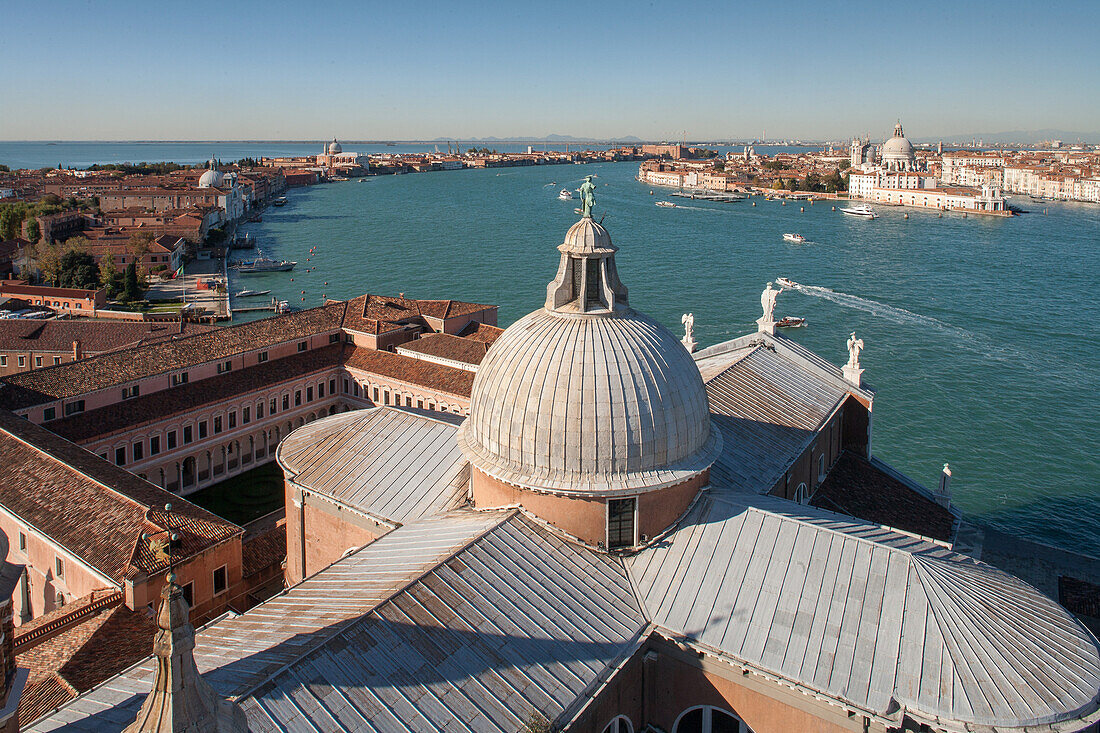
1018	136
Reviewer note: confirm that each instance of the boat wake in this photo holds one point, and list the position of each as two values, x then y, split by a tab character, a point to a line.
977	343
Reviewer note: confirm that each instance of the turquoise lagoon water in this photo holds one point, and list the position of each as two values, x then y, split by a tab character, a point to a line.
982	335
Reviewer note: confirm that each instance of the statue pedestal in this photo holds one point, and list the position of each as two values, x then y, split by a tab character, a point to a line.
689	344
853	374
766	326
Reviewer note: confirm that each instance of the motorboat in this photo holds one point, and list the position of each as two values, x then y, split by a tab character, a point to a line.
565	194
281	201
786	282
861	211
250	293
263	264
790	322
666	204
794	238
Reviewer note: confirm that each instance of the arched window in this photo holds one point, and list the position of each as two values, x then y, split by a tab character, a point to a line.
709	719
619	724
800	494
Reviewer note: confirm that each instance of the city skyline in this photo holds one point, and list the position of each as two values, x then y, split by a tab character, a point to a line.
662	72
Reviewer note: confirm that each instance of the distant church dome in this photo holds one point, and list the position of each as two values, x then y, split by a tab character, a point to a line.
334	147
897	152
213	177
587	396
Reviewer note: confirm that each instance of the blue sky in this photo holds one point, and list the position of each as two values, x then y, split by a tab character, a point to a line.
414	70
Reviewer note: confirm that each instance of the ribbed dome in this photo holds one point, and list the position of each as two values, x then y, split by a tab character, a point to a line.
589	404
897	147
587	237
334	147
211	179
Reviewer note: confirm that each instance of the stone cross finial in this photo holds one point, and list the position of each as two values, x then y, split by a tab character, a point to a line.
852	371
767	302
688	319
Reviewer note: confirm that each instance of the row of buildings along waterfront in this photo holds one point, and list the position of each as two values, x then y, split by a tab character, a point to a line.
574	523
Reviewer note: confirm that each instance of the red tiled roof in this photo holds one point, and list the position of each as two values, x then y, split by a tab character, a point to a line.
446	346
95	510
481	332
88	649
18	391
263	548
94	336
46	292
193	395
857	488
413	371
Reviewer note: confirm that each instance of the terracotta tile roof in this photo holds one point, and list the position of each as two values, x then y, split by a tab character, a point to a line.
446	346
858	488
44	291
389	313
88	649
414	371
481	332
95	510
159	405
94	336
67	380
263	547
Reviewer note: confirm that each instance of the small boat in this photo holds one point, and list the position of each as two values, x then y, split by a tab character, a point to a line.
794	238
786	282
250	293
262	264
861	211
362	180
281	201
565	194
791	322
666	204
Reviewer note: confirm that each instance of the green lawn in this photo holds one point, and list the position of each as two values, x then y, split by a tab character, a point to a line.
246	496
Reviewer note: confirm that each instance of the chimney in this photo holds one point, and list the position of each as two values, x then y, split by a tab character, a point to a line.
78	352
943	491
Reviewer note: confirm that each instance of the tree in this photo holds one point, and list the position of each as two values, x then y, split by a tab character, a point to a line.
33	231
78	270
719	165
5	169
48	259
845	165
779	185
131	290
109	277
139	245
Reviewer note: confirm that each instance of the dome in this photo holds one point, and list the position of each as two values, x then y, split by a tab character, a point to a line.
898	147
334	147
587	396
587	237
211	179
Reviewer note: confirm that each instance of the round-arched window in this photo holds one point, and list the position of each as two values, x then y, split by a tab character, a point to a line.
619	724
709	719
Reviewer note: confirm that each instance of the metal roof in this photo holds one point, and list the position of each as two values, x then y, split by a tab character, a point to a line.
238	653
390	463
868	616
518	622
768	409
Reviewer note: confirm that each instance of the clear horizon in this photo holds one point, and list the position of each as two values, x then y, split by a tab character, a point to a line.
126	71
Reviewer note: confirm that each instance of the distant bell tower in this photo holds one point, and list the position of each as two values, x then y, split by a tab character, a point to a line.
858	147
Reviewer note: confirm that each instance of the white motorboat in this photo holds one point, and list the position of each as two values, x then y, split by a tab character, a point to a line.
565	194
790	322
861	211
786	282
794	238
666	204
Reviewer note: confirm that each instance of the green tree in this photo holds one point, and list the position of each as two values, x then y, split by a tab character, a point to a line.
139	245
719	165
48	259
792	185
32	230
845	165
5	169
131	290
109	277
78	270
778	185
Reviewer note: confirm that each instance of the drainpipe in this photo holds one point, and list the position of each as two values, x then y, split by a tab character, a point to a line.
300	505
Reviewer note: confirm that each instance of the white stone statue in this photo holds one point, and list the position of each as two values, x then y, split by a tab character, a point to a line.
852	371
767	302
854	347
688	340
